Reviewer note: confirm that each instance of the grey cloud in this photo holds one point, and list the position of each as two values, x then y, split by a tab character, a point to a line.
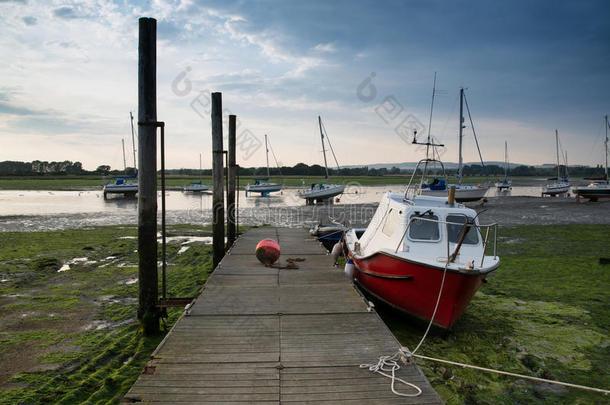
69	13
29	20
6	108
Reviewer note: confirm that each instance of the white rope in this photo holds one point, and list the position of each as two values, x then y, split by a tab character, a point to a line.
390	364
491	370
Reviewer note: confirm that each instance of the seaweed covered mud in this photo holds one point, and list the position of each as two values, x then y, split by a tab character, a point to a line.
68	300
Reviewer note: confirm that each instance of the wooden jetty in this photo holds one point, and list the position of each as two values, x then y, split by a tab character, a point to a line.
276	336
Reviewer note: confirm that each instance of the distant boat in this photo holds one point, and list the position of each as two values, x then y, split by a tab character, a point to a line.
559	185
122	185
262	185
439	187
505	184
599	188
321	191
197	186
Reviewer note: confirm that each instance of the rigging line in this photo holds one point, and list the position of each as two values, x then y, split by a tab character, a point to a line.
331	148
475	135
274	158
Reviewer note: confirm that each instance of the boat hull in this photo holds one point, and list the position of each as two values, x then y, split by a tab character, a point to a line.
322	194
264	188
413	287
556	190
125	188
462	194
592	193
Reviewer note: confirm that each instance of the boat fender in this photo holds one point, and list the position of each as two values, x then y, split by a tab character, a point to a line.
336	252
267	251
349	269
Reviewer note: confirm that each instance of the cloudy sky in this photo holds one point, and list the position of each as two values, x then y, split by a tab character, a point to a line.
68	77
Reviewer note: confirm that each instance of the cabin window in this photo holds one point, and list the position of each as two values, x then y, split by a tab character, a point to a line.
391	220
455	231
424	229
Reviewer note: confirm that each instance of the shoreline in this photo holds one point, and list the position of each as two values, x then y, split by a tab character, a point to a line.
506	211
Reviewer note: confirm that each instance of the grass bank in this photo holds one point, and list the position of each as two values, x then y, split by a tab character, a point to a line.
89	182
71	336
543	313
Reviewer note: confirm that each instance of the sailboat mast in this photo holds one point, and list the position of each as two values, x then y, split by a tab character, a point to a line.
267	154
606	120
133	142
323	149
124	161
460	160
505	160
557	149
200	168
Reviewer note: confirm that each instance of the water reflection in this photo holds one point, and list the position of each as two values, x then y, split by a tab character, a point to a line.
21	202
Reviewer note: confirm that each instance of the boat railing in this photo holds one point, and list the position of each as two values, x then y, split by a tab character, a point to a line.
414	188
486	227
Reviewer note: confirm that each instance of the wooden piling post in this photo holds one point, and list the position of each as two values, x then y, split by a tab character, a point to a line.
148	313
231	232
218	214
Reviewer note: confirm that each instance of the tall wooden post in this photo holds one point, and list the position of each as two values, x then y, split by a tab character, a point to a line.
218	212
148	313
231	234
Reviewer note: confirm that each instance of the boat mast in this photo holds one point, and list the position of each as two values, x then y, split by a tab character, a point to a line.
133	142
124	161
557	149
200	167
505	160
460	160
323	149
267	154
606	120
429	128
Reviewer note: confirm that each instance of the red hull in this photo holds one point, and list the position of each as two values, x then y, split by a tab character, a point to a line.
414	287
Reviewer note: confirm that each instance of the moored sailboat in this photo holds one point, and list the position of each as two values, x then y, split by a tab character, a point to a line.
262	185
599	188
197	186
505	184
559	185
321	191
122	185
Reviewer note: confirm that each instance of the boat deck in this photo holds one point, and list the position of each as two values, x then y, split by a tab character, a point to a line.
270	336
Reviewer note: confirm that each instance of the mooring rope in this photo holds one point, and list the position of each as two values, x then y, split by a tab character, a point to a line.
491	370
389	364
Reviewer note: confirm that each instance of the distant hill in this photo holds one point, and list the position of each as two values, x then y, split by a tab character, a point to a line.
448	165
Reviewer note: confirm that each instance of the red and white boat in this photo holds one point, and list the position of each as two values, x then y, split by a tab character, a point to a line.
418	250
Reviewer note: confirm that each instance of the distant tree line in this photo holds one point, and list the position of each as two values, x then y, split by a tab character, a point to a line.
38	168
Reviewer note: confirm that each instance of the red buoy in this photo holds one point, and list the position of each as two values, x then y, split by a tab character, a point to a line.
267	251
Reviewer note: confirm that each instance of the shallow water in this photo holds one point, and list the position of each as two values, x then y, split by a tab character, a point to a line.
37	202
54	210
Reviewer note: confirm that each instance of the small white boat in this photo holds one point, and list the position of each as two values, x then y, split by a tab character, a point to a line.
196	186
559	185
599	188
423	255
321	191
121	186
505	184
261	185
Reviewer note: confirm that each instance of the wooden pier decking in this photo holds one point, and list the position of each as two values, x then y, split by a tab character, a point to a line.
269	336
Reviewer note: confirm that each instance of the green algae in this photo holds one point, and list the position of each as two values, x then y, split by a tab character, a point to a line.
81	322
